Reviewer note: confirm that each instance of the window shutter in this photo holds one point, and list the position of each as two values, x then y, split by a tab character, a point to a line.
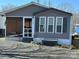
65	25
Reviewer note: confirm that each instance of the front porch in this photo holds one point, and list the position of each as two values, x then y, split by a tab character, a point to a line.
20	27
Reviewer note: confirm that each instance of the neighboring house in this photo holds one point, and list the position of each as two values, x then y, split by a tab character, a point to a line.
2	25
34	20
76	29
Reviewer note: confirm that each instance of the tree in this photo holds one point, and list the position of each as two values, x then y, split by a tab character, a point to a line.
7	7
69	8
36	1
75	19
66	7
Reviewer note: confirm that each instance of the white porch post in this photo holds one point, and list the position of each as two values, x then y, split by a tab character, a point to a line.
5	26
23	26
70	37
33	26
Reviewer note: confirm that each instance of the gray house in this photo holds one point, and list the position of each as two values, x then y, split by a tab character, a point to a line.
36	21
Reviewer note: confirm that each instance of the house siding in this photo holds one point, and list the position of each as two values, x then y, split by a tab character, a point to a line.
32	9
66	25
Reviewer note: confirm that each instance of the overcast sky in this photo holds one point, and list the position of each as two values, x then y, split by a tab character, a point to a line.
55	3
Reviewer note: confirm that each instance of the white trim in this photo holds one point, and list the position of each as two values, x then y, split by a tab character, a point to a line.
23	25
15	16
48	23
61	26
21	16
44	24
70	36
5	27
33	26
27	16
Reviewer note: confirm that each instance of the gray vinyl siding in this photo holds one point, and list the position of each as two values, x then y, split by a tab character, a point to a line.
30	10
66	25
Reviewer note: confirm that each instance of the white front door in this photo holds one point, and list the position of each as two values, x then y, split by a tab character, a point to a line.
28	27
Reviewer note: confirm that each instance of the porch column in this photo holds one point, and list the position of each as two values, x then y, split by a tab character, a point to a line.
23	27
33	26
70	36
5	25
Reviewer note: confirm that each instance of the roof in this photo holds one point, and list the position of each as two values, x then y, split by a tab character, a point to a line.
38	4
53	9
2	14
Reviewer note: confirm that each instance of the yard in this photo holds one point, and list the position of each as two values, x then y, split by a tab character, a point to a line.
20	50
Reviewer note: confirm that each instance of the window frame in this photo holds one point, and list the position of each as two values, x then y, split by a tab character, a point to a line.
49	24
61	25
44	24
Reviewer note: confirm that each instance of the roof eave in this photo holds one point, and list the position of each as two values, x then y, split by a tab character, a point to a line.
62	11
13	9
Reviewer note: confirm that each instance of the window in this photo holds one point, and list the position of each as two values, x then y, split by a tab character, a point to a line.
50	24
42	24
59	25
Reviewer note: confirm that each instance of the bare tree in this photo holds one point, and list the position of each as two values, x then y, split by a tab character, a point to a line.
69	8
8	7
36	1
66	7
75	19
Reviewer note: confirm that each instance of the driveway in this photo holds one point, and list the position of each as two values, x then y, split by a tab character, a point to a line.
19	50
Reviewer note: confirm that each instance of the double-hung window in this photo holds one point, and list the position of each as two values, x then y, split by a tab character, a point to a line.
59	25
42	24
50	24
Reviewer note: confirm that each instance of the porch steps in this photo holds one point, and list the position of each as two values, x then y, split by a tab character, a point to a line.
49	43
27	39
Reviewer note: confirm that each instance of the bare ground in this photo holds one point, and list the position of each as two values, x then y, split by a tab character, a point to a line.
20	50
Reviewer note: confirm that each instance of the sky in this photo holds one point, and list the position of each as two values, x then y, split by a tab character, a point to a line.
55	3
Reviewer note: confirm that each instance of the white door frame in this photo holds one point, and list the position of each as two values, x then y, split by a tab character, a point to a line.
33	24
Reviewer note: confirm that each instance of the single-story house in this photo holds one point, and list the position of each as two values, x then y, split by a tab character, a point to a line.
36	21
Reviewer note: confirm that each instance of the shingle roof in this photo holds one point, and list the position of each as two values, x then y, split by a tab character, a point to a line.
13	9
44	6
53	9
